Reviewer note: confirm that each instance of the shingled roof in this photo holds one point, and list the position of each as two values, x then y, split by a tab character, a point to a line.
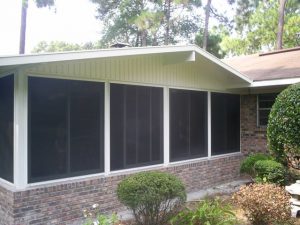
278	64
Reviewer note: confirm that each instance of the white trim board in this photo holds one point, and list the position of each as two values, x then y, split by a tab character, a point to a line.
276	82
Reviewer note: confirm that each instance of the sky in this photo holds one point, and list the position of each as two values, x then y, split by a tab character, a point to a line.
72	21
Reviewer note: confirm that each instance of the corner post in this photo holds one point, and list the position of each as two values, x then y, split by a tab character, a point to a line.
107	129
20	130
209	124
166	126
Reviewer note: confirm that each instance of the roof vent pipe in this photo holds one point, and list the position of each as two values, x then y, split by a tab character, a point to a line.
119	45
298	38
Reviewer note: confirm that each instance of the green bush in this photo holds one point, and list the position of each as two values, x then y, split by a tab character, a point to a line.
247	165
208	212
269	171
153	197
93	216
284	124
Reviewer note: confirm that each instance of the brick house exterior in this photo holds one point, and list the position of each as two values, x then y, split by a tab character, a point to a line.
181	70
63	203
253	138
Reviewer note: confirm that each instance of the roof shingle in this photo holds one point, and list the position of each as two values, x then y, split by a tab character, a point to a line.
273	65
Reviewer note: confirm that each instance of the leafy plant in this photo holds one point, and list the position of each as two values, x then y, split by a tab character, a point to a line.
93	217
284	124
248	163
264	204
269	171
153	197
208	212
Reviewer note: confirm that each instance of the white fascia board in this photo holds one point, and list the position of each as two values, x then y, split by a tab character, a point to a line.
91	54
277	82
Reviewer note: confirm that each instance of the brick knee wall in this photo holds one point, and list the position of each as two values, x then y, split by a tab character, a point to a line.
63	203
6	206
253	138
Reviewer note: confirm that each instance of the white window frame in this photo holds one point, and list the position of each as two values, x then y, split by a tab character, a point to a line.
258	109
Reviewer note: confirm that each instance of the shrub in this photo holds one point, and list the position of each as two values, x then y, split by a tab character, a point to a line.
210	212
153	197
269	171
284	124
247	165
264	203
93	216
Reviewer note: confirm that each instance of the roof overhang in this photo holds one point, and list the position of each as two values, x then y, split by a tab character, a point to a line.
185	53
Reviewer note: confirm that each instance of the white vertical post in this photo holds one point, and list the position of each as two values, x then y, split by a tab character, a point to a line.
20	130
107	128
166	126
209	124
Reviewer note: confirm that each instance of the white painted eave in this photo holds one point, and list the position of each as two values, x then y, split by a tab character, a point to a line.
114	52
277	82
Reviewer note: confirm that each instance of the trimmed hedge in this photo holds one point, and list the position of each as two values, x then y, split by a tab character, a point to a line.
248	163
153	197
269	171
284	124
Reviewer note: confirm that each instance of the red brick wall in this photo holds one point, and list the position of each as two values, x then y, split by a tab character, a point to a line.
253	138
63	203
6	206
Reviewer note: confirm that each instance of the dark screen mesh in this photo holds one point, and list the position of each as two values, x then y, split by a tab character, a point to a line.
86	124
6	127
65	128
136	126
188	124
225	123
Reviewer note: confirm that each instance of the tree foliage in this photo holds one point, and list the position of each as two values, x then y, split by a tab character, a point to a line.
213	42
59	46
148	22
258	27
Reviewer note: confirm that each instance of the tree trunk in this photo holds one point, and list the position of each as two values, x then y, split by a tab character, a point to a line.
144	37
23	27
168	16
280	23
207	14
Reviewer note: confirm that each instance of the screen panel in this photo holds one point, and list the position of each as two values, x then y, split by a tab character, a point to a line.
179	124
86	126
7	127
48	127
136	126
225	123
66	128
188	124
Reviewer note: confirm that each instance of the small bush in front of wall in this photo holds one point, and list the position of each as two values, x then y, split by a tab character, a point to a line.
284	125
93	217
248	163
264	204
153	197
210	212
269	171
